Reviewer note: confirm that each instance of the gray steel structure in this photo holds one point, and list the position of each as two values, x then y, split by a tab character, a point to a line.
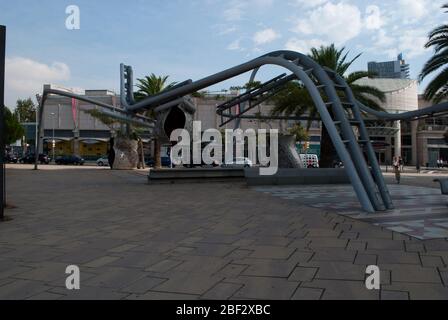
368	182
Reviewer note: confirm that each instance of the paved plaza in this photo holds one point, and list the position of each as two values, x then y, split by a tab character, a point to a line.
132	240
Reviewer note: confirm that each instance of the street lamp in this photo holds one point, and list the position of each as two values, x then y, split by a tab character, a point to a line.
53	141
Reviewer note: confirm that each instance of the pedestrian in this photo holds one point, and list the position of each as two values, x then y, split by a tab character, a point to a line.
111	153
396	165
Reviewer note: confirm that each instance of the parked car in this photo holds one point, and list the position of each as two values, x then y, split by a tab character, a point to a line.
69	160
310	160
238	163
166	162
30	158
11	158
103	161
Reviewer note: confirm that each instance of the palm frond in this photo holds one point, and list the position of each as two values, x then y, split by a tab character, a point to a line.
434	63
369	91
437	85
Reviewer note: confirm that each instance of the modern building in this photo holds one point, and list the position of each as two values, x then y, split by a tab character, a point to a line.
397	69
74	131
431	145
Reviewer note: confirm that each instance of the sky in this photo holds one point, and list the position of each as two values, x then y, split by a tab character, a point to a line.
196	38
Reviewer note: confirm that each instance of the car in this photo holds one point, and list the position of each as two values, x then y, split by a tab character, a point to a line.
310	160
166	162
11	158
238	163
103	161
72	159
31	157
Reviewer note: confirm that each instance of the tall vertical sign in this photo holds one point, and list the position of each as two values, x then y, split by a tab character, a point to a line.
2	118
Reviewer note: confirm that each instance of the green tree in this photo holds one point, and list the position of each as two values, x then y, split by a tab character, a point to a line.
295	99
25	110
299	132
13	129
437	88
149	86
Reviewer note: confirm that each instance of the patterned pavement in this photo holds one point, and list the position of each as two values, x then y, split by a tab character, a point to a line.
420	212
200	241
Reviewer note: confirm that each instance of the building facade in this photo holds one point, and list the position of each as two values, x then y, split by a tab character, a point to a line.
73	130
76	132
397	69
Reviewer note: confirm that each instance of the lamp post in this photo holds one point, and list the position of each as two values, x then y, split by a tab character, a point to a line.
2	122
53	141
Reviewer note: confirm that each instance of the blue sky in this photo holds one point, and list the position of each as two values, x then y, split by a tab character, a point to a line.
193	39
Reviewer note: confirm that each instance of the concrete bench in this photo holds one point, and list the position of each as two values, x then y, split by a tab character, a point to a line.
443	185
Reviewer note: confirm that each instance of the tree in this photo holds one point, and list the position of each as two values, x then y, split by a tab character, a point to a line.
299	132
437	88
295	99
149	86
13	129
25	110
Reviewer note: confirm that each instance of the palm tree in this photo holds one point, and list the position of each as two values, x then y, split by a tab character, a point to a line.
149	86
437	89
295	99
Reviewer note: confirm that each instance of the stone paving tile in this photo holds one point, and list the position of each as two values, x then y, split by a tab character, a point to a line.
395	257
303	274
143	285
114	277
44	271
431	261
184	282
201	265
270	252
154	295
338	270
366	259
327	242
100	262
394	295
21	289
420	291
46	296
267	268
412	273
384	244
164	265
334	254
89	293
264	288
221	291
131	259
307	294
123	248
343	290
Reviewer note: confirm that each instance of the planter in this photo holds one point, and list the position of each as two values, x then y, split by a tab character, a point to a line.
287	152
126	154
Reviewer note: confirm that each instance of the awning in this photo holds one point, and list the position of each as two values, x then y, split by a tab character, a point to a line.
93	140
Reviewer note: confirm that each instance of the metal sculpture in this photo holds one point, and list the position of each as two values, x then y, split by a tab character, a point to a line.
320	82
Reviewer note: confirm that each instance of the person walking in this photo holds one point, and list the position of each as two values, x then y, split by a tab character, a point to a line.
396	165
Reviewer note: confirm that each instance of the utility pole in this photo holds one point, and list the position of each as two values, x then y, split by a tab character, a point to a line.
2	119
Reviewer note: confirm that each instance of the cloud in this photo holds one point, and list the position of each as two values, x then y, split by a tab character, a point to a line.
265	36
308	3
235	45
373	19
413	10
336	22
303	46
234	11
412	42
25	77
